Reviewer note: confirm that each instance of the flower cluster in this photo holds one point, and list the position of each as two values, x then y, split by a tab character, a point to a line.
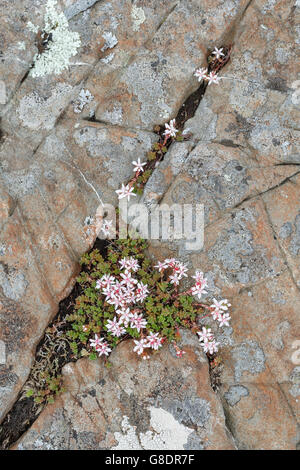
207	341
219	311
125	191
100	345
178	270
210	77
128	294
170	129
200	284
125	294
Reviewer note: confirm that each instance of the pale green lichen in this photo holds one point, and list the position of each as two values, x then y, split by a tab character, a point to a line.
61	46
138	17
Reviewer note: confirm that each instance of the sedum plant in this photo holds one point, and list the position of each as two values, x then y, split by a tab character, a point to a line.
125	296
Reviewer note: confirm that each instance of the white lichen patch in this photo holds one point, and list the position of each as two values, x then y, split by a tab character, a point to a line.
138	17
165	434
108	58
115	116
85	97
127	439
32	28
62	44
110	41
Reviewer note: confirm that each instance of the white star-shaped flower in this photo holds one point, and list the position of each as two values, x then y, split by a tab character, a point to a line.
138	166
213	78
201	74
125	191
218	53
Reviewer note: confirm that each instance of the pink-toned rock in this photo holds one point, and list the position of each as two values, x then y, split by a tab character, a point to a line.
163	403
17	49
26	308
255	105
283	205
89	162
7	206
215	175
259	366
155	83
56	163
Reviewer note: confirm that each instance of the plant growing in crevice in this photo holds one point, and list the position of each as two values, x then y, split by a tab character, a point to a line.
125	296
152	309
173	131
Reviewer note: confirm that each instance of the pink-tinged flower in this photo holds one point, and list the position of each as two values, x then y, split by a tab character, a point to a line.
96	341
113	291
171	130
115	328
180	269
174	279
180	352
138	322
85	328
216	314
103	349
118	331
199	276
170	262
224	319
160	266
220	305
117	302
218	53
201	74
108	292
106	226
100	345
213	78
210	347
138	165
115	295
129	296
154	341
205	335
201	282
105	281
140	346
141	292
124	316
111	324
199	289
125	191
130	264
127	279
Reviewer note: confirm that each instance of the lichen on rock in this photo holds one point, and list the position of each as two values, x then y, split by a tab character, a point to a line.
62	44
